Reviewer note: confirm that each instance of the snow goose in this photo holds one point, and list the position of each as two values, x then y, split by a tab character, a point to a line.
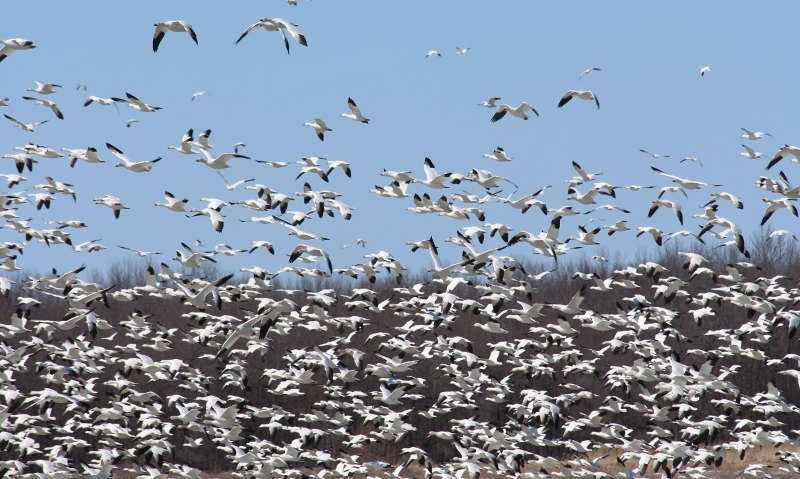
785	150
43	88
668	204
432	178
656	233
490	103
499	154
216	218
172	26
13	179
137	104
753	135
356	113
319	127
202	140
582	94
462	51
186	144
311	251
705	70
518	111
233	186
89	155
687	184
112	202
21	160
125	162
295	231
173	204
750	153
654	156
277	24
13	44
588	71
345	166
219	162
237	145
129	123
100	100
198	299
137	252
197	94
48	104
431	53
25	126
775	205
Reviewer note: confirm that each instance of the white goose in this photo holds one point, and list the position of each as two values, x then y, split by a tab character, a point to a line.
582	94
112	202
518	111
43	88
137	104
356	113
499	154
186	144
48	104
134	166
25	126
753	135
277	24
13	44
432	178
219	162
89	155
173	204
171	26
319	127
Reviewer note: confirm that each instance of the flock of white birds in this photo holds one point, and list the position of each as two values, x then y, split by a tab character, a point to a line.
96	414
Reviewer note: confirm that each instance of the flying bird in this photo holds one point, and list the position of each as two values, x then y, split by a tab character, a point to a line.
13	44
172	26
356	113
43	88
25	126
197	94
320	127
582	94
588	71
433	52
705	70
277	24
753	135
519	111
125	162
48	104
462	51
490	103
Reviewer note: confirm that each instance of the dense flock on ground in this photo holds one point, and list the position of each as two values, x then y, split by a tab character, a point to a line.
530	356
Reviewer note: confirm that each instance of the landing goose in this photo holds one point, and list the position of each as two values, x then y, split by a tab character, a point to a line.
172	26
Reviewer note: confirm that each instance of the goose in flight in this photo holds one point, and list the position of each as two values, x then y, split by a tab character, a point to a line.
173	204
705	70
25	126
582	94
216	218
112	202
186	144
750	153
219	162
432	178
356	113
654	156
137	104
499	154
233	186
519	111
134	166
100	100
48	104
13	44
462	51
197	94
490	103
432	53
137	252
172	26
43	88
687	184
783	151
277	24
320	127
753	135
775	205
588	71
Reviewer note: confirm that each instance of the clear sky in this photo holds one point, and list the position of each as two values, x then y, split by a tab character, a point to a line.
650	90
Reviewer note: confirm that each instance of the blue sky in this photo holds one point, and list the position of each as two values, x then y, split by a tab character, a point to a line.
650	91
